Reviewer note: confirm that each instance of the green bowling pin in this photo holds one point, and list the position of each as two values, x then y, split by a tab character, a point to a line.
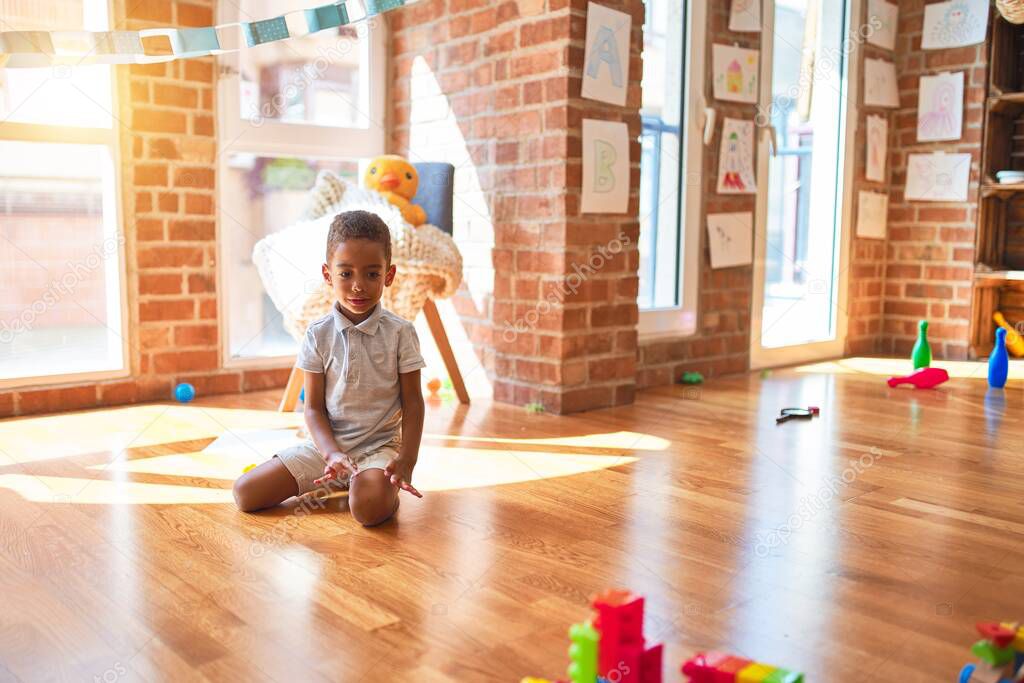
922	355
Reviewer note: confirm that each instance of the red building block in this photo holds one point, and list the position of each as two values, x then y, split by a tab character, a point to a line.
620	621
651	665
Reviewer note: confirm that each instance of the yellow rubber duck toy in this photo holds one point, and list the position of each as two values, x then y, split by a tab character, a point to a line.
397	180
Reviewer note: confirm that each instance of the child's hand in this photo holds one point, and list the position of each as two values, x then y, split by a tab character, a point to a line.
337	464
399	471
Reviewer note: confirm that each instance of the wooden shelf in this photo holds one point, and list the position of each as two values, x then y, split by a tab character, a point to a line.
1003	101
993	189
999	275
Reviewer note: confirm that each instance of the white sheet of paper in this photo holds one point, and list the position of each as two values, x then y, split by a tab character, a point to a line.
605	167
954	24
730	238
745	16
734	73
877	147
736	158
606	55
880	84
872	214
938	177
940	107
881	27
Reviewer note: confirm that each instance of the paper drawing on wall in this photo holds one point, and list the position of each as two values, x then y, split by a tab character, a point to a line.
736	158
881	26
938	177
730	239
734	73
880	84
877	146
872	214
940	107
954	24
745	16
605	167
606	55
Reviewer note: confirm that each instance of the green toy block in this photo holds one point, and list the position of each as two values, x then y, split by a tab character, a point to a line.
784	676
988	652
583	653
690	377
534	408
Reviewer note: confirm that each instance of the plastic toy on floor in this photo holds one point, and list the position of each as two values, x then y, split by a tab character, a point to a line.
922	353
611	646
1001	654
1014	342
925	378
397	181
716	667
998	362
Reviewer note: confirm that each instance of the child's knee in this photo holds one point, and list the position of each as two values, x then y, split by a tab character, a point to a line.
245	494
372	499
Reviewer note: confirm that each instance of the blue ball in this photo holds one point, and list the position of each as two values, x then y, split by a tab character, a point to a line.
184	392
302	394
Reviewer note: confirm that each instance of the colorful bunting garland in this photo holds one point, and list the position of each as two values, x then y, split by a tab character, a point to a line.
20	49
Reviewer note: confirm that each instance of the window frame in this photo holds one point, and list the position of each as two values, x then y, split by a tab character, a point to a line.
113	138
300	140
681	320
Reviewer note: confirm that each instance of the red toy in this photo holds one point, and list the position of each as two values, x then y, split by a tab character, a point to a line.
718	667
623	655
925	378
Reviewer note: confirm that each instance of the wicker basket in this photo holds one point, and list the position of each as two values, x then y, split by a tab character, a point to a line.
1012	10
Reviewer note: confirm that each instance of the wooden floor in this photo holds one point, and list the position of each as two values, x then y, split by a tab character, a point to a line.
861	546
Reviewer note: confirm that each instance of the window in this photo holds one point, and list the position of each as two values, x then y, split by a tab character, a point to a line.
287	110
670	176
61	249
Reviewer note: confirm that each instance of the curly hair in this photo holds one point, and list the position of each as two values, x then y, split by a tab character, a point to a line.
358	225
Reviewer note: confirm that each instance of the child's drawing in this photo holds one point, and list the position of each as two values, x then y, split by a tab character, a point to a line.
872	210
881	27
880	84
940	107
734	73
730	239
736	158
954	23
938	177
745	16
877	144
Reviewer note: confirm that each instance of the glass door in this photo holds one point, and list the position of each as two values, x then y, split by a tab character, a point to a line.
802	203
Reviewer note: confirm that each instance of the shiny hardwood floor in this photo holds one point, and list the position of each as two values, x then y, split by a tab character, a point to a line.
860	546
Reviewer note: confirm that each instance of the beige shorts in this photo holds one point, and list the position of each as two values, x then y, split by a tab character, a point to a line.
305	463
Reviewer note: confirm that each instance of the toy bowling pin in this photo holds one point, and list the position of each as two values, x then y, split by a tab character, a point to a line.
925	378
998	361
922	355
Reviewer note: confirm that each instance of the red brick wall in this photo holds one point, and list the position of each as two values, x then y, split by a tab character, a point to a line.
930	256
168	148
722	342
510	74
866	271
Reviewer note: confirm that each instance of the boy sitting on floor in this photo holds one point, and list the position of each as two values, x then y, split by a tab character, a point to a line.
363	405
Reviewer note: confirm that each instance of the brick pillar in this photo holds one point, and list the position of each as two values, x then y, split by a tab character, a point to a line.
509	78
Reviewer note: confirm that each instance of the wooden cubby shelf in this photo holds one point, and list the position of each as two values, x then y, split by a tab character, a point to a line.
999	245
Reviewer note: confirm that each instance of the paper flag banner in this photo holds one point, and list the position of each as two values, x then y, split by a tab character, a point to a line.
31	49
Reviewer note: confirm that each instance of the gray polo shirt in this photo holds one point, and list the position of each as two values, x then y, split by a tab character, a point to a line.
361	364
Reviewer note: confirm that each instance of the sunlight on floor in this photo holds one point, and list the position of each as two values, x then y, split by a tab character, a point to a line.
60	436
901	366
92	448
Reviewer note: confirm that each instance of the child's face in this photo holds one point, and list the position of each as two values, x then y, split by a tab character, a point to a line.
358	274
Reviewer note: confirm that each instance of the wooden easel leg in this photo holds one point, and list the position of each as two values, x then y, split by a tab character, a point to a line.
443	345
291	392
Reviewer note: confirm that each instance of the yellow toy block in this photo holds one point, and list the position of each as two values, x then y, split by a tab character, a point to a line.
754	673
1018	642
